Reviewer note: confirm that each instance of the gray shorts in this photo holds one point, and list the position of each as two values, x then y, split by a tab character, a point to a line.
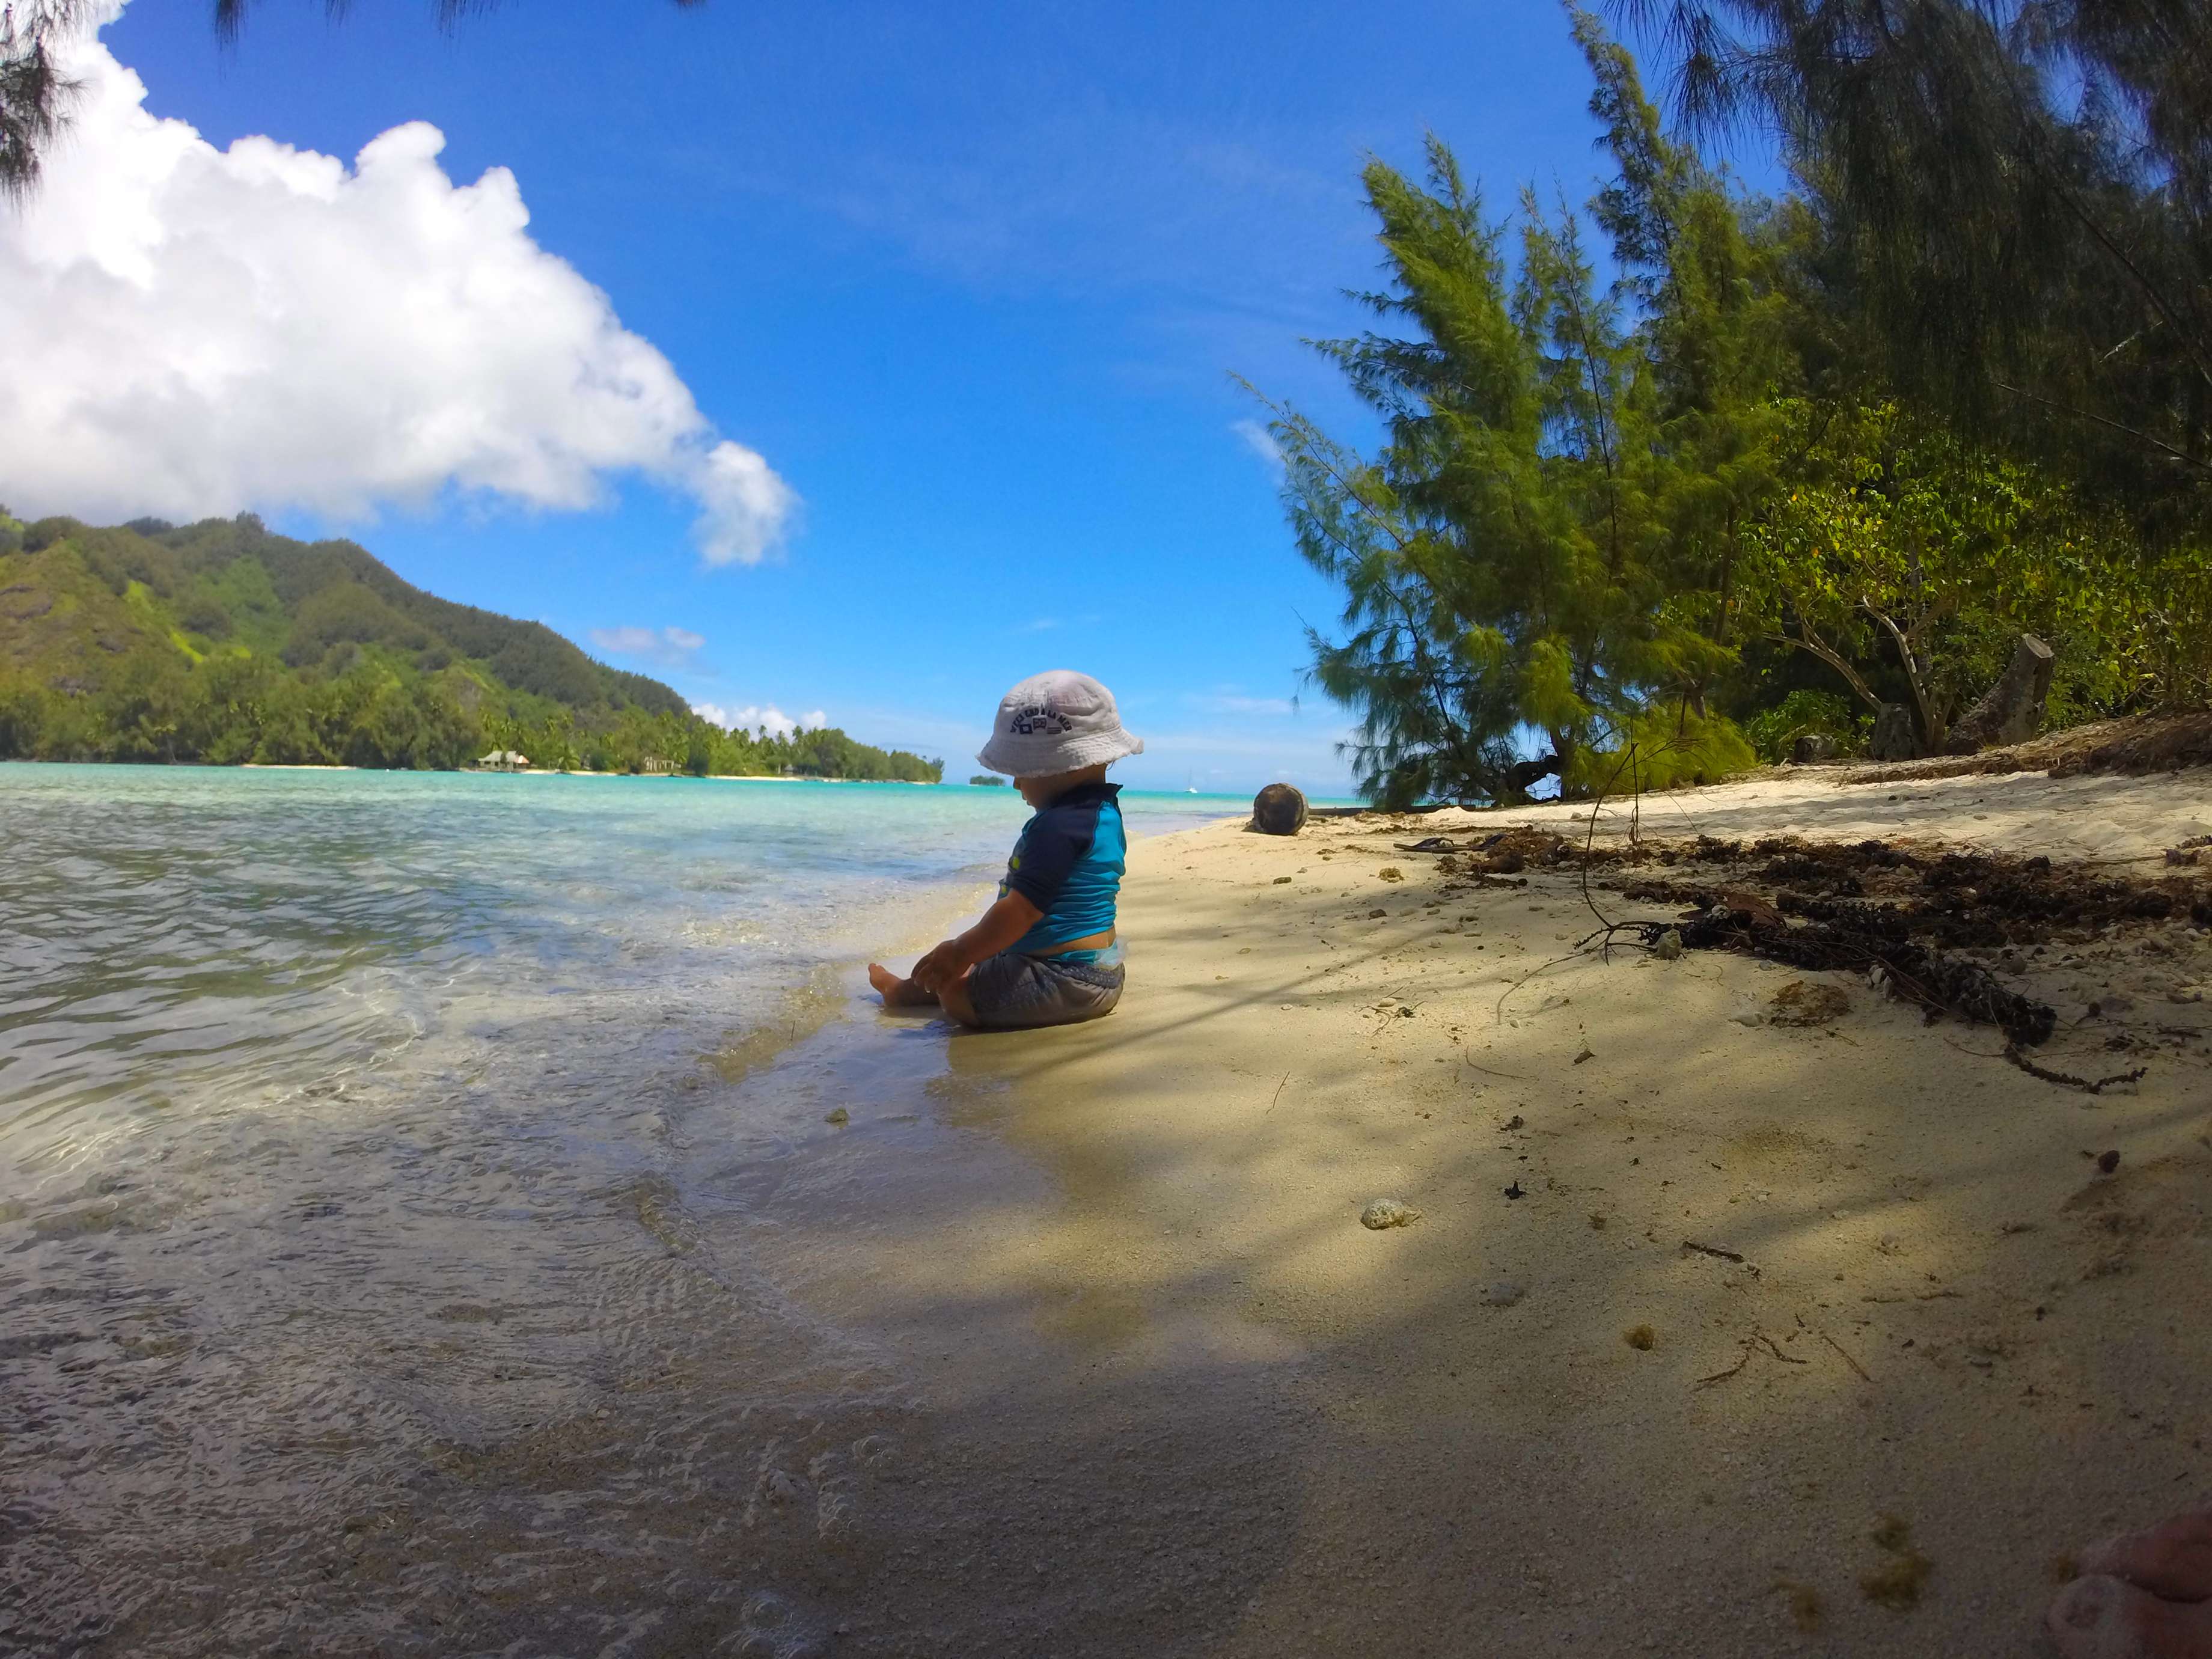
1010	991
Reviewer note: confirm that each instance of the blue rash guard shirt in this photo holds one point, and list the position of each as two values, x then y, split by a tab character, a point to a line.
1068	863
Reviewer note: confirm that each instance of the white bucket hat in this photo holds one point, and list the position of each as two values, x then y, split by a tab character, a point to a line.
1056	721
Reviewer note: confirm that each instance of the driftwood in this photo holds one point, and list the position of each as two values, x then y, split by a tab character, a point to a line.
2011	710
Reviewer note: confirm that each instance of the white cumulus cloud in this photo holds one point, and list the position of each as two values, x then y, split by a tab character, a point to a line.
753	718
190	332
664	648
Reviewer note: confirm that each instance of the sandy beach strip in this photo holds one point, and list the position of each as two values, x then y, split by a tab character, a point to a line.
1712	1337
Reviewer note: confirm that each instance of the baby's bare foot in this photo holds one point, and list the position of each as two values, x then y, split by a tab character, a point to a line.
2100	1617
2147	1596
896	991
2173	1560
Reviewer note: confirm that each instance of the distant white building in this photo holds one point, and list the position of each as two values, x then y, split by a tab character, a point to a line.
503	760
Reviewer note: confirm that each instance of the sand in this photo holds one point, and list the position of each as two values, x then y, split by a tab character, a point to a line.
1171	1397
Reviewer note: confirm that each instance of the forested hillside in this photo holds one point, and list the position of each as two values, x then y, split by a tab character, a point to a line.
220	643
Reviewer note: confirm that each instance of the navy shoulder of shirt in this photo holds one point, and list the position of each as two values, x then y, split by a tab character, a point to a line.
1069	863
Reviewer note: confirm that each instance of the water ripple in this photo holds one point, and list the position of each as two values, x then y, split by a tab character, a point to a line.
355	1293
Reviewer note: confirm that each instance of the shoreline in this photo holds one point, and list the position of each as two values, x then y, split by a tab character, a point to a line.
1178	1400
787	1322
462	771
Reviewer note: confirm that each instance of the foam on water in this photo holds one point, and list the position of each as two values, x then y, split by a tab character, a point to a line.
375	1269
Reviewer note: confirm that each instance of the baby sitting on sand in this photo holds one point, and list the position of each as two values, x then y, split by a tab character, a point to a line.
1044	954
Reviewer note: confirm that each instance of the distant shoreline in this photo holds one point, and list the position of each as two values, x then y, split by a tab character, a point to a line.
1320	805
474	771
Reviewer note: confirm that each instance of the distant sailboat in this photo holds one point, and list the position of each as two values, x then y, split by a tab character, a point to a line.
1190	783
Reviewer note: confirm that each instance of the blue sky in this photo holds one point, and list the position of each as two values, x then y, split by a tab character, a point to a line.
972	280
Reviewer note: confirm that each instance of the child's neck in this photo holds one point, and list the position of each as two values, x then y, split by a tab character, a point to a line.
1055	790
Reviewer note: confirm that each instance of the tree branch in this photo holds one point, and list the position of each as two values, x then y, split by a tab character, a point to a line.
1931	723
2159	444
1827	653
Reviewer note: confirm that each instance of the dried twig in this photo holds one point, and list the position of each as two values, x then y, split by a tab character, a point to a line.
1711	1249
2067	1079
1787	1359
1723	1377
1488	1071
1647	929
1498	1013
1848	1360
1589	840
1277	1100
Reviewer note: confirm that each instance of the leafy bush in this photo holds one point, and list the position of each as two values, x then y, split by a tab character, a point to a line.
1807	713
1662	749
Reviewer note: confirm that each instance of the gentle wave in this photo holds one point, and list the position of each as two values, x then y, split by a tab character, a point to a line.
359	1285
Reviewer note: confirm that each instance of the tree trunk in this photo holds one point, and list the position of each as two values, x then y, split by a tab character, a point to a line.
1895	736
1919	673
1521	776
2011	710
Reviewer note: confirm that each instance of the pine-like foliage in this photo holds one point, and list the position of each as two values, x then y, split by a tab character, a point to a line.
34	92
1539	555
2021	194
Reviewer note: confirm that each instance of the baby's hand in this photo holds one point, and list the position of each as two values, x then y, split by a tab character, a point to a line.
940	967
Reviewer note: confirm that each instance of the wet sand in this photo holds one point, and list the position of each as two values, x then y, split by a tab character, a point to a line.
1163	1394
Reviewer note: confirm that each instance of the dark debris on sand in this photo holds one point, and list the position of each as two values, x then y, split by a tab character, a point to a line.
2132	745
1900	914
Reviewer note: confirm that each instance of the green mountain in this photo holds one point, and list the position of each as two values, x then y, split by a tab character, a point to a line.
218	641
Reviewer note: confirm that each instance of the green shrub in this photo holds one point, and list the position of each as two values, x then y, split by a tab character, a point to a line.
1807	713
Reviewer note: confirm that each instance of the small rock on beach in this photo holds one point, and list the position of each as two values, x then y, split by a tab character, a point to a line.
1388	1213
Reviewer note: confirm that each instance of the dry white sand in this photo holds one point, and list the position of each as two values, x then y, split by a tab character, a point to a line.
1179	1400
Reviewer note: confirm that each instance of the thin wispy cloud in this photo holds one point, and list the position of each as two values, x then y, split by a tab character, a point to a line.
1313	755
906	727
1221	702
663	647
1261	441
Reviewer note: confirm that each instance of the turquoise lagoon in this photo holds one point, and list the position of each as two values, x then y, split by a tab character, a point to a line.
379	1266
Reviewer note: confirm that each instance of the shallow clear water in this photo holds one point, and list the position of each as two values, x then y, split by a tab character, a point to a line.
375	1271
